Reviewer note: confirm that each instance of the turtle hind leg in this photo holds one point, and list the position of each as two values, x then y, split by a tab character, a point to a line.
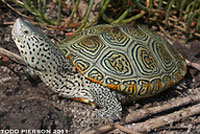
107	100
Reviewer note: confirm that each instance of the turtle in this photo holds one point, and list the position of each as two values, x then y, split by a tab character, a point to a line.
103	65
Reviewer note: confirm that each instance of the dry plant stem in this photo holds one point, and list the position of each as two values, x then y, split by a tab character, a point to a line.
18	2
143	113
154	123
16	10
46	26
149	125
166	34
197	34
124	129
101	130
192	64
12	56
8	23
6	79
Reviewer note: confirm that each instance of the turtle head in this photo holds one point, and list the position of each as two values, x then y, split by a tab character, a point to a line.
36	49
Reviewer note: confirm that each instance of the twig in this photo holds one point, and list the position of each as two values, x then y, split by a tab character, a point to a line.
166	34
8	23
6	79
124	129
143	113
16	10
154	123
197	34
12	56
46	26
101	130
192	64
18	2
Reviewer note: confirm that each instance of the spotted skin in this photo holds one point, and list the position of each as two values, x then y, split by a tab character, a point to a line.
105	64
108	97
58	72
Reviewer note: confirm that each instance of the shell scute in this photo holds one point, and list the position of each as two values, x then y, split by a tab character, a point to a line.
96	74
90	47
127	58
116	62
113	36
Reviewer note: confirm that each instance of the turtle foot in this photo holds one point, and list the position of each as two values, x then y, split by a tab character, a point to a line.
109	114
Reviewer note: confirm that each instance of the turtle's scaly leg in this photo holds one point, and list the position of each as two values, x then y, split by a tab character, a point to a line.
50	64
86	101
107	100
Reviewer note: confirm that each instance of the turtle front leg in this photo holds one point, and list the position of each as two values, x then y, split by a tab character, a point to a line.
107	100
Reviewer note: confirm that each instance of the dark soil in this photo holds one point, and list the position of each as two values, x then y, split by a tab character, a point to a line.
27	103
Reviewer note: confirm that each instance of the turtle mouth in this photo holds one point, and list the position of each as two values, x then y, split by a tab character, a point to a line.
16	38
16	33
16	26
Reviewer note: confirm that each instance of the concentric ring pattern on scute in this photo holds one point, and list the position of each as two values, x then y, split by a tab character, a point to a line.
143	59
114	37
116	63
90	47
128	58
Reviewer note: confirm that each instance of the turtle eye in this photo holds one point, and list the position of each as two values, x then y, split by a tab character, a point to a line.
26	31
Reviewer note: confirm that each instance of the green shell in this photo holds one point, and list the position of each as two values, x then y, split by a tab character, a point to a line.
127	58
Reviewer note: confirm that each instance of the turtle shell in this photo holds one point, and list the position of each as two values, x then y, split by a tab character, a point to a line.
127	58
